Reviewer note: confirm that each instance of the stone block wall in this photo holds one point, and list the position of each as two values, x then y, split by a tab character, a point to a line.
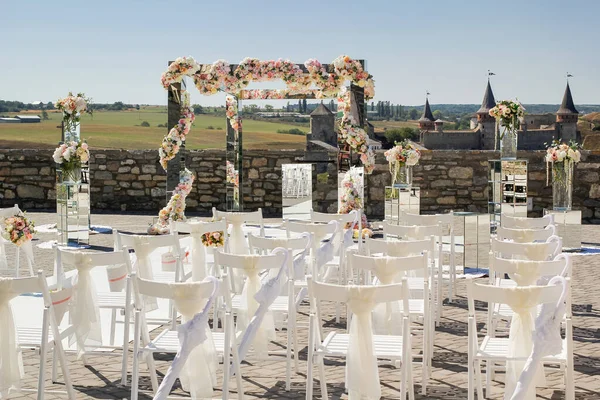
134	181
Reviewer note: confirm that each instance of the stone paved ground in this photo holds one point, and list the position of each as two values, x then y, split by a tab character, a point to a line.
265	379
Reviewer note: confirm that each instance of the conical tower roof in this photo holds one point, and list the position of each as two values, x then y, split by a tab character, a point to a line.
567	106
427	114
488	100
321	110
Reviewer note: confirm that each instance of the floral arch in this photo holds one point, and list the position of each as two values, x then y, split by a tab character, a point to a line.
311	80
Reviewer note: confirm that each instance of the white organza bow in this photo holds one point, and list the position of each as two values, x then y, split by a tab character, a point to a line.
537	252
526	273
11	362
143	266
387	318
546	341
362	373
523	302
199	270
84	311
196	361
249	305
264	297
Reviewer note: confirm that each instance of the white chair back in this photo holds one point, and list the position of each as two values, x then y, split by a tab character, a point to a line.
527	251
9	212
414	232
525	235
253	217
390	269
560	265
526	223
343	219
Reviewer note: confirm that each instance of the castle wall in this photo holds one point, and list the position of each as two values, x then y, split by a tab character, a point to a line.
448	140
535	139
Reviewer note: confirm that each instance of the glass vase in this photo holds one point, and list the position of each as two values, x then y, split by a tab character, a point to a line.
71	174
508	143
71	133
562	185
402	176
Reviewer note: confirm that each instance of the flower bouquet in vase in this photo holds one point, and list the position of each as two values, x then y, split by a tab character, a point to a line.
563	158
73	107
70	157
401	158
507	114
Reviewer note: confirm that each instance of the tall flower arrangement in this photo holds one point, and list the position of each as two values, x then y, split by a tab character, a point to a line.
73	106
563	158
175	208
402	154
508	112
174	139
71	156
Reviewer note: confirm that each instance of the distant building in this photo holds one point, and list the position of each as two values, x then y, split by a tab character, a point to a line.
28	119
536	129
9	120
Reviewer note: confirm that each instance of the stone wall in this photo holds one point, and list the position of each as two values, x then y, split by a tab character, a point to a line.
134	181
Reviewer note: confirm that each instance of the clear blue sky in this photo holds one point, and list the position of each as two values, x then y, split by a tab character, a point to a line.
117	50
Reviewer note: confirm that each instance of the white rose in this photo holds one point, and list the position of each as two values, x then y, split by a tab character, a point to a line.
57	156
577	156
80	104
561	155
67	154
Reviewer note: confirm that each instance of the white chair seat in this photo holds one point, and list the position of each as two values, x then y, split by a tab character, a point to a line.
32	336
415	306
280	304
506	283
384	346
111	299
168	342
497	348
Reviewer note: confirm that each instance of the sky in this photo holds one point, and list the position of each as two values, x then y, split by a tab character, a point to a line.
117	50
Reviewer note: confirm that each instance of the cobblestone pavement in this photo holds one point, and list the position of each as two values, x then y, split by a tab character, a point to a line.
265	379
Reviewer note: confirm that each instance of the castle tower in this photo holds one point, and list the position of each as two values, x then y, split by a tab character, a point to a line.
322	125
439	125
566	118
426	122
486	124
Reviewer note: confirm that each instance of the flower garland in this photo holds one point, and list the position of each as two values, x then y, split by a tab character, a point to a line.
351	199
172	142
213	239
175	208
508	112
231	110
72	108
561	156
233	176
403	153
352	133
18	229
316	80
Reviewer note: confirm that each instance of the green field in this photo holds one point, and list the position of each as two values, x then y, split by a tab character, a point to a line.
122	130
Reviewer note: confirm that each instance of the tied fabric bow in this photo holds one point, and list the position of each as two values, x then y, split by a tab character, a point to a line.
195	363
264	297
523	301
362	373
248	306
141	246
546	340
10	357
198	252
384	315
84	311
527	272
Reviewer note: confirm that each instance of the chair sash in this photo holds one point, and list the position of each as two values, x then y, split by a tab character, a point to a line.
196	361
249	305
11	361
84	310
546	340
362	373
387	317
523	302
143	266
526	273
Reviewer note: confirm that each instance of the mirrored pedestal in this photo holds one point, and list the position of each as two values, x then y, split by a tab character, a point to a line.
568	226
399	200
507	180
472	233
73	212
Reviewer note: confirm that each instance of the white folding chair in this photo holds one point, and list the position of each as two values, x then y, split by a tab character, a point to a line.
395	349
525	235
239	219
298	249
390	270
494	350
43	338
167	341
118	299
527	251
446	222
200	263
526	223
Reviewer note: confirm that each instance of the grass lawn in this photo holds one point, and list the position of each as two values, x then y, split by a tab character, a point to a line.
122	130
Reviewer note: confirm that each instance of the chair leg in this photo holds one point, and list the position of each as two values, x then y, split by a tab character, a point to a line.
310	360
113	323
471	379
323	381
489	366
478	379
54	365
569	384
125	345
42	372
288	357
136	363
226	366
238	372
